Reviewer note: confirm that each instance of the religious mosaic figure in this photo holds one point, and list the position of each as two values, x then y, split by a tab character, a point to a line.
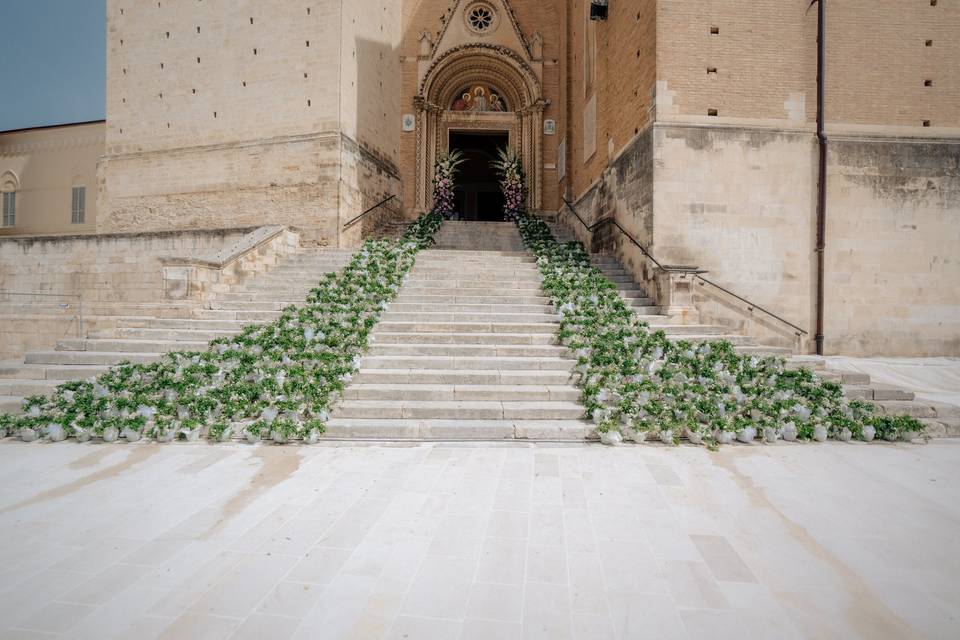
463	102
480	99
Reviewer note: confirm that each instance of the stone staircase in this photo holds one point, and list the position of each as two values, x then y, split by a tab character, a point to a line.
941	419
480	236
142	333
467	351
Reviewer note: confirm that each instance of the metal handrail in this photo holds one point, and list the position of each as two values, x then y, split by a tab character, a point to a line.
750	305
696	273
368	211
76	296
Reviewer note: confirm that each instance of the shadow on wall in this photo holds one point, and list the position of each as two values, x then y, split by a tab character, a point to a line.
371	143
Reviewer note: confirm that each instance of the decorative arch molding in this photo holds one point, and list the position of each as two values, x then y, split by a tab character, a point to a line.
9	182
480	63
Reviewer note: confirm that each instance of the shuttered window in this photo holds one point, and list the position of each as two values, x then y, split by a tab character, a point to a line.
9	209
78	209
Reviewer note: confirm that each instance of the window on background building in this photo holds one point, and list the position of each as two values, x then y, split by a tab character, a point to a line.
78	210
10	209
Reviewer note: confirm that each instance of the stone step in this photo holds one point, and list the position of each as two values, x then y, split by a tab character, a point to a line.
486	350
472	318
473	287
59	373
466	362
454	410
467	327
461	392
11	404
237	305
236	315
87	357
762	350
27	387
877	393
462	377
265	296
488	268
180	324
445	299
130	345
407	429
453	256
531	276
689	329
462	338
696	338
413	307
163	334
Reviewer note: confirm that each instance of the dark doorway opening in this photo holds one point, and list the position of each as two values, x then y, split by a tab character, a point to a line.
478	189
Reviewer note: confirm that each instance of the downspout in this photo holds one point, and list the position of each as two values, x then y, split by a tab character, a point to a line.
822	177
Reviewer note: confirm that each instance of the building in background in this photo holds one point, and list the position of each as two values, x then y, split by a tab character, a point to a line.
691	125
48	178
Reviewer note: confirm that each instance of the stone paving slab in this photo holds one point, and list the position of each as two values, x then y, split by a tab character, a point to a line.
458	541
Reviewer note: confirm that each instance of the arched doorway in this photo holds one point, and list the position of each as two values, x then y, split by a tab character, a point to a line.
479	95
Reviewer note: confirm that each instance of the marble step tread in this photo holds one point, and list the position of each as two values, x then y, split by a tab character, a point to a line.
461	392
467	362
460	410
508	350
483	430
462	338
464	376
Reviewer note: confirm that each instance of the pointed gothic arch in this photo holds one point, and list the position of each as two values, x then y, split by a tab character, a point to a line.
480	63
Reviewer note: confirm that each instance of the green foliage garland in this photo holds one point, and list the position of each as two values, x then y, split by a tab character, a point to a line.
637	381
278	379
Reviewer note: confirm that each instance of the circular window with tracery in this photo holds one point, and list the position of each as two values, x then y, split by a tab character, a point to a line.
481	18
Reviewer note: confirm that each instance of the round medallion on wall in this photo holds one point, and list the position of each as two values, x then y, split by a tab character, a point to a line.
481	18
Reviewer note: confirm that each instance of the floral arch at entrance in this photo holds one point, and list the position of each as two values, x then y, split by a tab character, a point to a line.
491	68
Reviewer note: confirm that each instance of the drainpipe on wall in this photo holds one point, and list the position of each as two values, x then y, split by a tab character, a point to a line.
822	177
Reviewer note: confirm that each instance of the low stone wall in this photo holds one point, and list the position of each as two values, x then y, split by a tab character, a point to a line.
104	270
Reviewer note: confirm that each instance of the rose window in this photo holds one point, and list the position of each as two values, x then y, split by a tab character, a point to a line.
480	18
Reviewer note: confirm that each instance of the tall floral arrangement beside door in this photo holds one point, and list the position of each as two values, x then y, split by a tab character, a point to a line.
509	167
444	182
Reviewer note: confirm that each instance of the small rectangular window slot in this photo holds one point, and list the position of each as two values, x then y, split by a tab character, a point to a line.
928	83
714	31
308	103
933	3
926	123
712	112
198	29
929	43
711	70
254	52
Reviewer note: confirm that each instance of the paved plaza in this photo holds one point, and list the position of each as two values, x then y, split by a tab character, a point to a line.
479	541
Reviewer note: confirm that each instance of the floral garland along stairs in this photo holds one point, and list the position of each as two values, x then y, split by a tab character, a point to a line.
637	383
277	380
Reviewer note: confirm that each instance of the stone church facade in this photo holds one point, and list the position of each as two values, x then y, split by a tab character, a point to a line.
689	126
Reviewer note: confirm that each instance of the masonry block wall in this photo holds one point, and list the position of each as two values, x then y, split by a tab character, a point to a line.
226	112
734	165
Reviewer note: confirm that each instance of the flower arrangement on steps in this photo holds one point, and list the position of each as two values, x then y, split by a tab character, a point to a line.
509	167
445	173
277	380
639	384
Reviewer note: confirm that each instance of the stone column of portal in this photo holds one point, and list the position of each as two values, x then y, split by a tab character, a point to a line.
421	175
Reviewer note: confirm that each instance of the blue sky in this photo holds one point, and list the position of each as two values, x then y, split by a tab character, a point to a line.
52	62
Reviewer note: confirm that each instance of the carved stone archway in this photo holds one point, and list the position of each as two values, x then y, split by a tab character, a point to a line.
480	64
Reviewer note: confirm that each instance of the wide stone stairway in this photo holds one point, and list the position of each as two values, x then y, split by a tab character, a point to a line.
467	351
142	333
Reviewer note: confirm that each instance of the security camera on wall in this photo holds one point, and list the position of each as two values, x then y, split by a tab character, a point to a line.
598	9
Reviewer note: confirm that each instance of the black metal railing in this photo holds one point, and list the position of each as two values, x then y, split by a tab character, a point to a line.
368	212
692	271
